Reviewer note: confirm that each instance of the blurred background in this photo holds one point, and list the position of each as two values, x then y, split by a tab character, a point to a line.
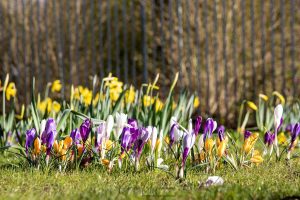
224	50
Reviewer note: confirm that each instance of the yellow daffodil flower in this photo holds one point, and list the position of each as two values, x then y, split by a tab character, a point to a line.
252	105
279	96
147	100
56	106
158	105
10	91
130	95
249	142
264	97
56	86
196	102
45	105
282	140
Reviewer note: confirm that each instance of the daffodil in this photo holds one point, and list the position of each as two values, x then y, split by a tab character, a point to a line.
279	96
130	95
252	105
56	86
264	97
147	100
56	106
158	105
10	91
196	102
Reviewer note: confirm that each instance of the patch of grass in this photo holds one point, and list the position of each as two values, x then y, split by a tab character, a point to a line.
267	181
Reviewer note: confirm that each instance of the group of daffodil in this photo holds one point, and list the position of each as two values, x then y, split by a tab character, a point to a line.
120	128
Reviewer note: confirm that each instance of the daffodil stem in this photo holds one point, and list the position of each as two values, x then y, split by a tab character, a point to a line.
245	120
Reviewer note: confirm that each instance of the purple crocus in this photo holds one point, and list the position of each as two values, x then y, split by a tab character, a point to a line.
49	134
132	123
209	128
269	138
197	125
289	128
221	133
30	136
75	135
85	129
294	134
174	128
100	132
50	126
140	142
247	134
188	142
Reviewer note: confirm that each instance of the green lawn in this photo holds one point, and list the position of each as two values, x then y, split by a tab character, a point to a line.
268	181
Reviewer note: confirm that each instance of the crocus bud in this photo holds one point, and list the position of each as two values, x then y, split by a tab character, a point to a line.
30	135
278	111
269	138
109	126
75	135
153	138
85	129
121	120
37	146
197	125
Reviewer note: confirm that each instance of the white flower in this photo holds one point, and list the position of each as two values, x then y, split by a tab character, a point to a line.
214	180
278	115
121	120
43	125
153	138
159	164
109	125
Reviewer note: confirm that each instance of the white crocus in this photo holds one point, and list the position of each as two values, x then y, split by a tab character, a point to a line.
190	127
215	126
109	125
43	125
278	115
121	120
160	165
153	138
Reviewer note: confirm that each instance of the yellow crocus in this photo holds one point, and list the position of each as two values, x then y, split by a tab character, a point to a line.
264	97
10	91
67	142
56	106
130	95
56	86
249	142
209	143
281	138
256	158
279	96
196	102
37	146
80	149
105	162
108	145
252	105
221	146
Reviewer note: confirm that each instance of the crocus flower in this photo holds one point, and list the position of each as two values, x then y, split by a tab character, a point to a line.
50	126
197	125
37	146
256	158
221	133
109	125
188	142
140	142
210	127
289	128
294	134
269	138
85	129
125	139
100	133
250	140
30	135
121	120
174	129
278	117
153	137
132	123
76	136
